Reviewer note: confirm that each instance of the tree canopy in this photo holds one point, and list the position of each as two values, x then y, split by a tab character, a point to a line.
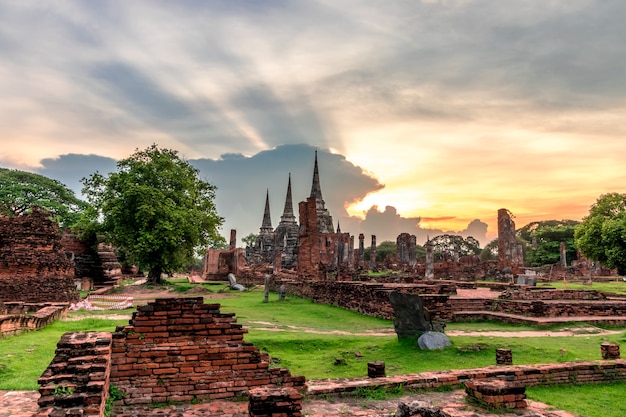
20	190
382	250
601	236
542	241
155	210
446	244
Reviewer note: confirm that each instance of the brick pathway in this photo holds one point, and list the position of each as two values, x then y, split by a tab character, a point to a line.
24	404
18	403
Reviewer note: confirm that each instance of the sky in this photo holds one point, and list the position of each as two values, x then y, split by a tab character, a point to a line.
428	116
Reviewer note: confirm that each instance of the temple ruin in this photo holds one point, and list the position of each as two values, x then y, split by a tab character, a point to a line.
34	265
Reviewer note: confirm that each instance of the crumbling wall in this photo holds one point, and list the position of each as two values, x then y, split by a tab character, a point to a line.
510	255
33	264
87	262
321	252
180	349
372	299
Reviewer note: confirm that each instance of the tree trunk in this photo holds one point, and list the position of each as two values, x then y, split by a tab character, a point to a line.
154	275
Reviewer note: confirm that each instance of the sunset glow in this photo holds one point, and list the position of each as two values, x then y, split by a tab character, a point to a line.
455	108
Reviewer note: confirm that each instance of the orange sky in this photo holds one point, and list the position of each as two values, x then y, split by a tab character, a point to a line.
458	107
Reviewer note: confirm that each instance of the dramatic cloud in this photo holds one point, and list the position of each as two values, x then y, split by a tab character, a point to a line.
459	107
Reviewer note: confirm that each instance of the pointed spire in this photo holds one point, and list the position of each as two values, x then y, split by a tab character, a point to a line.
266	226
288	215
338	227
316	190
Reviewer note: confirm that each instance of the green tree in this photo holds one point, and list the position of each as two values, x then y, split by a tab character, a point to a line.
155	209
250	239
542	241
601	236
490	251
382	250
20	190
447	244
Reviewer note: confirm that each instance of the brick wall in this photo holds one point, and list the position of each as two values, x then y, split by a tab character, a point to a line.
77	380
182	349
34	266
14	320
371	299
529	375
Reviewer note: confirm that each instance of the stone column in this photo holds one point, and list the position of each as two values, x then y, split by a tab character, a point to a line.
361	250
373	253
351	253
413	251
563	253
233	239
430	261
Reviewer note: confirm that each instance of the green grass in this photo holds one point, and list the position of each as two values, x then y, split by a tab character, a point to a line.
296	344
602	400
23	358
617	286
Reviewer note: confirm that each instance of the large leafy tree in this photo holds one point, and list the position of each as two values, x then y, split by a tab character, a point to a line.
156	210
542	241
20	190
601	236
447	244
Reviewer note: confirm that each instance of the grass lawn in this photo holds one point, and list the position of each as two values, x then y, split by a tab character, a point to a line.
307	338
617	287
602	400
24	357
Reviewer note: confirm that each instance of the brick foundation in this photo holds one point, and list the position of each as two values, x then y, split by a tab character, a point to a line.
504	357
610	350
497	394
274	402
17	320
376	369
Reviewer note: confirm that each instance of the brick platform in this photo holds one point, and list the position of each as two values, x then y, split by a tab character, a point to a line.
497	394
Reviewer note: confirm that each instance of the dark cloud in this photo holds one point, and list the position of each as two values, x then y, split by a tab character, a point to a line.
243	181
70	169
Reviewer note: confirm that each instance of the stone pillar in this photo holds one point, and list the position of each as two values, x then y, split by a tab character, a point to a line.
266	295
510	254
361	250
610	350
413	251
430	261
376	369
504	357
563	253
275	402
373	253
233	239
351	253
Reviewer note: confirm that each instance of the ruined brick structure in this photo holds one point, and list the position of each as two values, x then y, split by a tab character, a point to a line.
320	252
286	234
33	264
263	249
180	349
510	254
218	263
406	249
87	258
313	248
174	350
